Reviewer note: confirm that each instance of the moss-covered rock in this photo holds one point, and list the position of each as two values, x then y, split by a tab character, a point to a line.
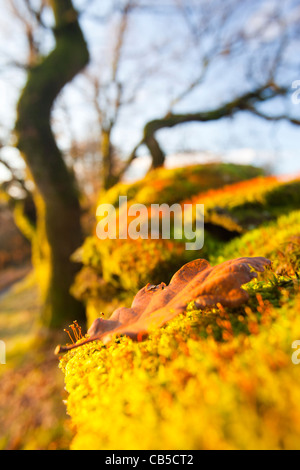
208	380
213	379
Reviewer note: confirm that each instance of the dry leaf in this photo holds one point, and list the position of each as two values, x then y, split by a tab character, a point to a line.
153	306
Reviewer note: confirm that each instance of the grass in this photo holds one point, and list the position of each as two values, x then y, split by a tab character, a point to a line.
32	414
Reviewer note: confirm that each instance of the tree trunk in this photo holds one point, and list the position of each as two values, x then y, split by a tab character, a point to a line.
108	176
54	181
158	156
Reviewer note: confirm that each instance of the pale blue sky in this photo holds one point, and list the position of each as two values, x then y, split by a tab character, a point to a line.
162	41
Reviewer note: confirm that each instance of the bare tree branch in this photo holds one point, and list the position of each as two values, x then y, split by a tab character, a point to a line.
30	30
244	102
14	179
267	117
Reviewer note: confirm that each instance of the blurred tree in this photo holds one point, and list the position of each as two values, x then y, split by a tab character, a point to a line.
107	91
245	102
108	115
14	189
55	183
219	32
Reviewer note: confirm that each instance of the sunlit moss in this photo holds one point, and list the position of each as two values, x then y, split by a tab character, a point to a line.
171	186
279	241
216	379
213	379
206	380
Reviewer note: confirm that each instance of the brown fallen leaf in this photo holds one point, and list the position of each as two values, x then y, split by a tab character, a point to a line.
154	306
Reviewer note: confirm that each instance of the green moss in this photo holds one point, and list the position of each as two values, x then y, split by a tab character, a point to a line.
243	207
278	241
172	186
120	268
212	379
190	383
